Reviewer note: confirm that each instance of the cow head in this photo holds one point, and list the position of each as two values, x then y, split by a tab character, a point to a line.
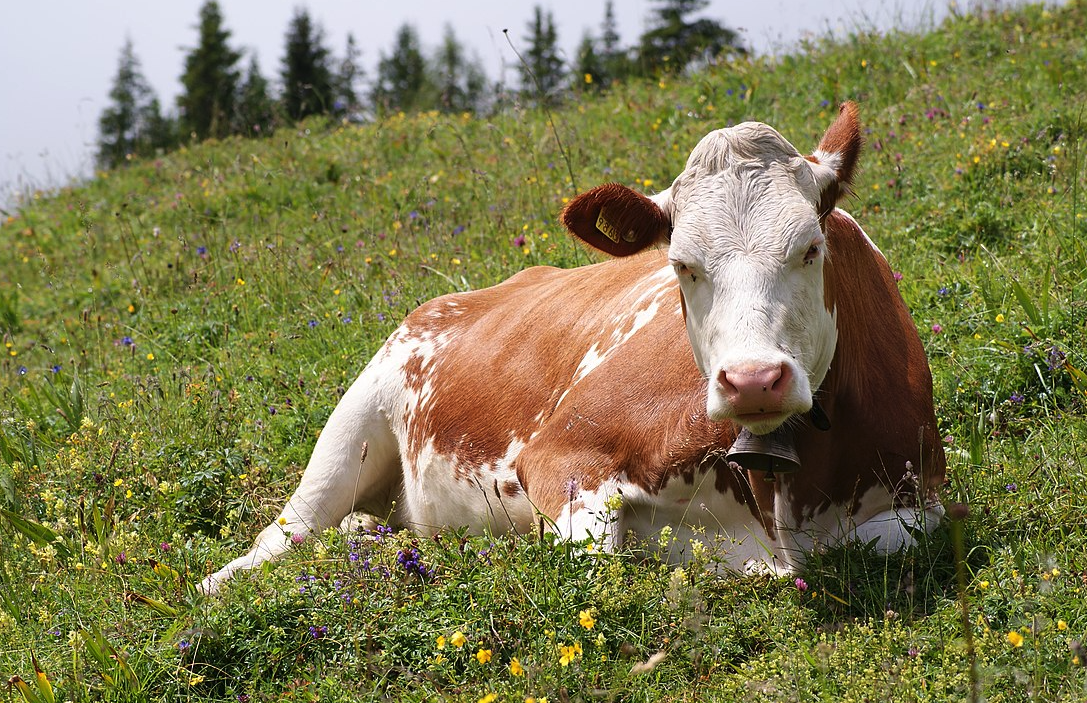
743	226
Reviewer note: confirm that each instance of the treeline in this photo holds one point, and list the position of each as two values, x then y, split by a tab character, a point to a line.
220	99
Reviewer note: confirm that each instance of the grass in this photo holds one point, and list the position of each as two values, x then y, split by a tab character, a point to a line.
177	331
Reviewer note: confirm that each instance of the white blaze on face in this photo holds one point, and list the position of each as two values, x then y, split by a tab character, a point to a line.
748	251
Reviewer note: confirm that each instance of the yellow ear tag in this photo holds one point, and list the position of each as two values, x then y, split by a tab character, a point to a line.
605	227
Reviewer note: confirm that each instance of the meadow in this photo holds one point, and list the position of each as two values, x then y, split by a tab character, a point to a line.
176	332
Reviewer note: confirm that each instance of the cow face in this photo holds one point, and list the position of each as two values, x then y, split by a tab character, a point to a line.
743	227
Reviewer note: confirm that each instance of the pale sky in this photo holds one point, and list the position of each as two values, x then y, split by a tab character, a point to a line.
58	58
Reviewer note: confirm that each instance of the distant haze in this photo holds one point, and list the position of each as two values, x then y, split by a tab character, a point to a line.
59	57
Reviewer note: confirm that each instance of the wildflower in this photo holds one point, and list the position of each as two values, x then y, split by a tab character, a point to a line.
1062	625
55	368
150	356
1015	639
1016	398
517	670
1000	317
585	619
588	79
483	656
801	585
441	638
240	281
897	275
943	291
164	546
201	251
568	654
519	241
282	520
457	639
937	328
317	632
22	370
489	698
298	538
1011	488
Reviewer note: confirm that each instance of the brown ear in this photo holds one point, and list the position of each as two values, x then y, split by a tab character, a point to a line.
616	220
839	149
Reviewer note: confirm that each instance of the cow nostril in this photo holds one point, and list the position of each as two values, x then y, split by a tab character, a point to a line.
748	381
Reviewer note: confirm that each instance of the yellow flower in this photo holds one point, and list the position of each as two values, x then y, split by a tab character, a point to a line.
1015	639
1000	317
569	654
588	78
456	261
585	618
282	520
517	670
1062	625
150	356
240	281
488	698
483	656
441	641
458	639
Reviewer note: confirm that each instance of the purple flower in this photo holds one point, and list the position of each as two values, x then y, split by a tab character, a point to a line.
312	324
126	341
801	585
201	251
1011	488
943	291
1016	398
318	631
298	538
458	229
165	546
913	652
519	241
121	558
937	328
21	370
235	246
897	275
55	368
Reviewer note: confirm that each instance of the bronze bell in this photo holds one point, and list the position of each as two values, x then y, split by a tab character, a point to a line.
773	453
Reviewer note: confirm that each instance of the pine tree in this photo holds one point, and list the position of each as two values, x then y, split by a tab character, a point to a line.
256	111
675	40
210	79
346	99
133	123
589	72
460	82
307	79
542	70
402	81
615	64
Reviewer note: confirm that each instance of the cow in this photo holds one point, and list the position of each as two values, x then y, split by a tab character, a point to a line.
602	401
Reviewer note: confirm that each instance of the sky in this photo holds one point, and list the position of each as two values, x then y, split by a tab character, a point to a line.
59	57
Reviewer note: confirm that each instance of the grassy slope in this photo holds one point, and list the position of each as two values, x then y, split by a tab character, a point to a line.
178	331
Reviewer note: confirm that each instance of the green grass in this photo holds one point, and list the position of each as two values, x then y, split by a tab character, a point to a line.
176	333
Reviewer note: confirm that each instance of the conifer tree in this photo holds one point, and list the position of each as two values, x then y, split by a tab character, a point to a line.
460	82
346	99
133	123
589	72
402	82
615	64
256	111
210	79
542	69
307	78
676	40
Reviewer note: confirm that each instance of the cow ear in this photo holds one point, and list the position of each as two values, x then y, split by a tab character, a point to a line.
834	161
617	220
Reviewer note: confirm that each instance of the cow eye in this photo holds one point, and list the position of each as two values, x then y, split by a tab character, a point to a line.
812	254
684	271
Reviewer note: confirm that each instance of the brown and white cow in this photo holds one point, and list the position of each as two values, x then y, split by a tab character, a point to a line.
604	398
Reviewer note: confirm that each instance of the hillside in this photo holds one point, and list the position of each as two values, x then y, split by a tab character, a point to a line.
177	331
